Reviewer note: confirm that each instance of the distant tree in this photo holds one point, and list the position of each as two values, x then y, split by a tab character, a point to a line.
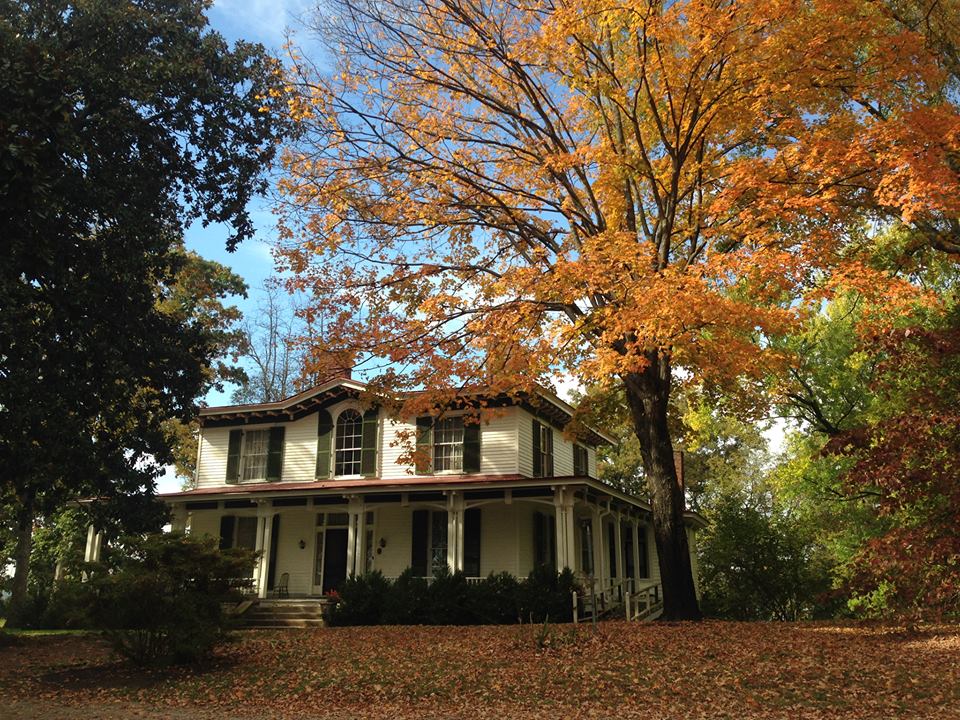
758	563
121	123
903	462
870	465
272	348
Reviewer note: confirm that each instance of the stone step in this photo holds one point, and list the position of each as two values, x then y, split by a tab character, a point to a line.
256	617
278	623
282	613
286	610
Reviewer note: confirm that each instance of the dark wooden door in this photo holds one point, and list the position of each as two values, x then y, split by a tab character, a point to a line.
334	558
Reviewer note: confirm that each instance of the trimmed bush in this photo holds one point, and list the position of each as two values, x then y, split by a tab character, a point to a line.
496	600
362	600
450	600
407	602
164	603
546	594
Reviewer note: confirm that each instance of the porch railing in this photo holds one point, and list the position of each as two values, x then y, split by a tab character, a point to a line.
639	598
470	580
643	601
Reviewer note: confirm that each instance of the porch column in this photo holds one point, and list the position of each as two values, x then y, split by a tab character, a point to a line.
94	541
618	538
636	553
264	541
596	529
178	519
565	528
455	530
356	536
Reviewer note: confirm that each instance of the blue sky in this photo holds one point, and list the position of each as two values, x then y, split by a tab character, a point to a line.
266	22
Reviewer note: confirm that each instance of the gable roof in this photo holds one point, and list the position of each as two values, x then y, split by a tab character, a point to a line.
543	403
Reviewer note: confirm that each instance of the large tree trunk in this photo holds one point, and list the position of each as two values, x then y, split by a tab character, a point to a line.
648	394
21	556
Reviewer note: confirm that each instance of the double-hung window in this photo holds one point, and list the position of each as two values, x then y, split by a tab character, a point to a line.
581	461
255	455
448	445
256	447
542	450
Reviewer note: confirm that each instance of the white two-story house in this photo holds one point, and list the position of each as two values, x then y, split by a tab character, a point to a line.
316	483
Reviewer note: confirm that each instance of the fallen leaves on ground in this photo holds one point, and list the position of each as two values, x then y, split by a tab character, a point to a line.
649	670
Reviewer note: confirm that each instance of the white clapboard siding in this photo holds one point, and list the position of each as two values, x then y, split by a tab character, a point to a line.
214	444
391	448
498	533
524	536
525	442
296	524
205	523
395	525
300	450
498	444
506	448
562	455
654	563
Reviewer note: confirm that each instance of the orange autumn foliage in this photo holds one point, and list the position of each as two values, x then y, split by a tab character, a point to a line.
579	183
497	192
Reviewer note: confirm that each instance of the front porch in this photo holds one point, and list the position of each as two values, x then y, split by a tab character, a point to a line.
310	542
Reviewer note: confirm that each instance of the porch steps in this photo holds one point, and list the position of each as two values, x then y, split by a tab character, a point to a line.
276	614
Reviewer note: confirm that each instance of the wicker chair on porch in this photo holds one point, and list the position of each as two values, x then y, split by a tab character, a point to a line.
281	589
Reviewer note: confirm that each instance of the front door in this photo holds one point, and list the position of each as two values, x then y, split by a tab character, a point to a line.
334	558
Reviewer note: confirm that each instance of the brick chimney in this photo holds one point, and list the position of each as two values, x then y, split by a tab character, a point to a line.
678	464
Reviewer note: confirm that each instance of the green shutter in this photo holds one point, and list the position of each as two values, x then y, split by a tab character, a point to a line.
274	544
579	458
368	447
612	547
537	457
539	539
471	542
227	523
471	447
418	544
547	463
275	454
324	442
424	445
233	457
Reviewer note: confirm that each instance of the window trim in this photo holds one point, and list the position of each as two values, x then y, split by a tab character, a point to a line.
543	462
471	443
434	445
358	449
577	447
244	454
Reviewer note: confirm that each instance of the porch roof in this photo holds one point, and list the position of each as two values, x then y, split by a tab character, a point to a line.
428	482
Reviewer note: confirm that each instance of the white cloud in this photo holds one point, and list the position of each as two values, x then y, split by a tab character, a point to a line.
264	21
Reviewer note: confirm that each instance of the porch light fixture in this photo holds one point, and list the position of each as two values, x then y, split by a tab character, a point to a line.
381	545
303	544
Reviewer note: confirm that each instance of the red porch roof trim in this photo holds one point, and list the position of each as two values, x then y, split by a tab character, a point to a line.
360	483
317	487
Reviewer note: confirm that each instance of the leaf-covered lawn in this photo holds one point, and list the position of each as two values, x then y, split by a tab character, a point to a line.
652	670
